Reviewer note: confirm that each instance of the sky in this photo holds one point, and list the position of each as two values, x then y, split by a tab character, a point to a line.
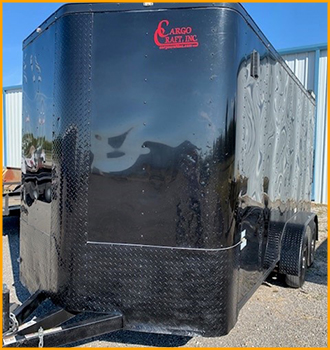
286	25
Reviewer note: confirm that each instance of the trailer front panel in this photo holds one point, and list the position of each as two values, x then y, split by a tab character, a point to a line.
174	142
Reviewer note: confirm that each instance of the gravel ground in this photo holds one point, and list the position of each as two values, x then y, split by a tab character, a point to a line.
275	316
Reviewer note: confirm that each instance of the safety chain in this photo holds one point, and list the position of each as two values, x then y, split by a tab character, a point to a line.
13	323
41	337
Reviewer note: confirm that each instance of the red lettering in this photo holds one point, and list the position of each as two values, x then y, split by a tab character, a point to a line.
186	30
160	32
178	37
191	38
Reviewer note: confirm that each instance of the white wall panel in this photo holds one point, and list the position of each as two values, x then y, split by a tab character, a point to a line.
321	161
12	127
311	69
302	64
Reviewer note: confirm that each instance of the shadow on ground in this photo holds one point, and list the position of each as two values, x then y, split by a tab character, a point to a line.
318	272
139	338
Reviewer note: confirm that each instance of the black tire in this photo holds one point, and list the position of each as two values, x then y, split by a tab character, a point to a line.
298	281
28	200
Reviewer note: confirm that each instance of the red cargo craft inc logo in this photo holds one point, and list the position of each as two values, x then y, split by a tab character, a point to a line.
175	38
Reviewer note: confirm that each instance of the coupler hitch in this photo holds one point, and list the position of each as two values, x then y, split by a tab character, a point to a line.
50	330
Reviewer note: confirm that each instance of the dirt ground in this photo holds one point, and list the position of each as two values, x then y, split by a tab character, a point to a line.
275	316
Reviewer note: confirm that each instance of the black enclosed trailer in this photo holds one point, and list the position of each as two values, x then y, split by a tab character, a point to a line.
180	146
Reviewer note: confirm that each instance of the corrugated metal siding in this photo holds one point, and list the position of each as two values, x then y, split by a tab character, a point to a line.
311	68
302	64
12	140
321	164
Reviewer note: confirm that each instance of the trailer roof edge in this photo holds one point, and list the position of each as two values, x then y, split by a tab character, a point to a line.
75	8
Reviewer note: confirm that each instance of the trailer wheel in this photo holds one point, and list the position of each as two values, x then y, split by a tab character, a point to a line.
298	281
312	245
48	193
27	198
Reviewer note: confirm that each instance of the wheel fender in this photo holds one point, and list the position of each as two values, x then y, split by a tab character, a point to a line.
293	238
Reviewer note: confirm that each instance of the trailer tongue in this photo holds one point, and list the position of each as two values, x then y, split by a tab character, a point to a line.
49	329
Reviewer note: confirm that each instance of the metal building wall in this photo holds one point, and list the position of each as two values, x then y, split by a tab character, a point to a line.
310	66
12	126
